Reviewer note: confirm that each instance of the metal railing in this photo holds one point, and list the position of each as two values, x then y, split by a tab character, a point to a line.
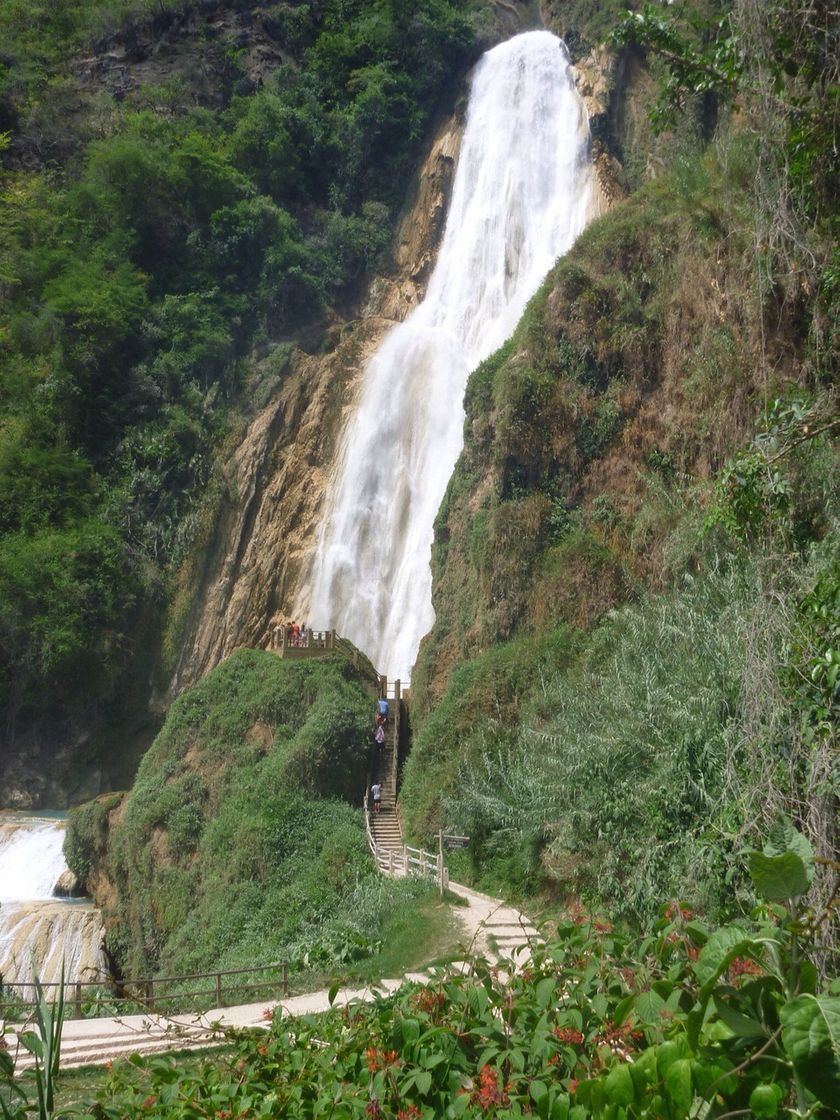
90	998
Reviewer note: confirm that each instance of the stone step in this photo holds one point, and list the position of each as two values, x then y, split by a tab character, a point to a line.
95	1051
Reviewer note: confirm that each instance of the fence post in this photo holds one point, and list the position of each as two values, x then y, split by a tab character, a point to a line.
405	858
284	978
218	989
78	999
150	994
396	694
440	860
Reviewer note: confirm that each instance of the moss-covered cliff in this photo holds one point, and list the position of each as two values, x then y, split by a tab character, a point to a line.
241	841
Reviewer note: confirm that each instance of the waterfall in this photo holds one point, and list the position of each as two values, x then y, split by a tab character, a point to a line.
35	928
520	197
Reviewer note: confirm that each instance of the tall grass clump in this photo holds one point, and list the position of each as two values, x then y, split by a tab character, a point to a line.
640	770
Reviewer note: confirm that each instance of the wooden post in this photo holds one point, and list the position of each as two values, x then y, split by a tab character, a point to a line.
391	862
440	860
284	978
218	989
78	999
150	994
405	858
396	694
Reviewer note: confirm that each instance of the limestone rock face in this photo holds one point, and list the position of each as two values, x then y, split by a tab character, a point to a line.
595	77
276	478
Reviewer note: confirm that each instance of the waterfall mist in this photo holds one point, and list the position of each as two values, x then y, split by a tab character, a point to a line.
520	197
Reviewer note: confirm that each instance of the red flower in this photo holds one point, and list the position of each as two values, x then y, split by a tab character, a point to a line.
568	1034
489	1092
619	1037
743	966
410	1113
373	1110
428	1001
572	1086
379	1059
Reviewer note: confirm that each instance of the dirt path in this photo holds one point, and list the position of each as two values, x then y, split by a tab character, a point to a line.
489	927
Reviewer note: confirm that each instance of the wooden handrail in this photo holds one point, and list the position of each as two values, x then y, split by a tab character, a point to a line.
142	990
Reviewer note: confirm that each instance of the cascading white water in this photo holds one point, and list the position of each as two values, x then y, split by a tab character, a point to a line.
521	196
36	929
31	858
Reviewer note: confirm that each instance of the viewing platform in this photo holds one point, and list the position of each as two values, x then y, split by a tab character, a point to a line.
314	643
322	643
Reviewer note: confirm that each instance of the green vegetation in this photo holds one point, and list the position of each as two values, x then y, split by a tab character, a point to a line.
241	841
691	1020
158	236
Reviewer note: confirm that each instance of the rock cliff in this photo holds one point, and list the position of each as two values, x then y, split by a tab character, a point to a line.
276	477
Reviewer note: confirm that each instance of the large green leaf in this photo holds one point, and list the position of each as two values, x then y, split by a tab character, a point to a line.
743	1025
783	837
678	1086
811	1037
619	1086
722	947
779	878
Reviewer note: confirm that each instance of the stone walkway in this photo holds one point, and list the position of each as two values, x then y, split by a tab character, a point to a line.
490	928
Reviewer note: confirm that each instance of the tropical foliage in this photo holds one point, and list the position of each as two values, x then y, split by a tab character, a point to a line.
689	1021
181	230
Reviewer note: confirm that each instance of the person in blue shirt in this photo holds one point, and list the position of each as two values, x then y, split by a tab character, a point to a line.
382	706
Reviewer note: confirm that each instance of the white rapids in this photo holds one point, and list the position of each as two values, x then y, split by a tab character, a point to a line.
37	930
521	195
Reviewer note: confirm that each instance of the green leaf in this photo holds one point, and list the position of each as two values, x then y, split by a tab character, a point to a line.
811	1037
619	1086
31	1042
424	1082
560	1107
720	950
545	991
333	992
667	1053
538	1090
623	1008
678	1086
6	1064
783	837
649	1006
742	1025
643	1070
779	878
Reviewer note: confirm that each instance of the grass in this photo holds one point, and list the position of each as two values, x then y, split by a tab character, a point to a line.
414	937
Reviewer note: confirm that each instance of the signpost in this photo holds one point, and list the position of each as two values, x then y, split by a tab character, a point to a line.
449	842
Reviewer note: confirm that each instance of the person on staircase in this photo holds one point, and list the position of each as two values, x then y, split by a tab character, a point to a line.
379	735
376	794
382	707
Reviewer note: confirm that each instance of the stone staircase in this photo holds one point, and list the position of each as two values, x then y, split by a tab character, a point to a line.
385	825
